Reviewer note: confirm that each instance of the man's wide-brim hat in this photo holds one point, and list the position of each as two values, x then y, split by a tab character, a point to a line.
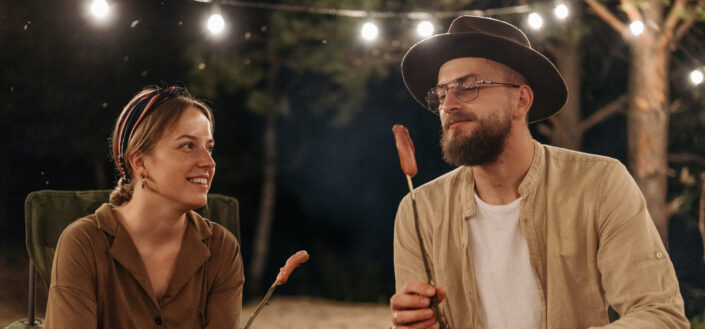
473	36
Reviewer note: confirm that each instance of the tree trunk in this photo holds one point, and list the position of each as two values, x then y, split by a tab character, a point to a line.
647	123
566	130
267	200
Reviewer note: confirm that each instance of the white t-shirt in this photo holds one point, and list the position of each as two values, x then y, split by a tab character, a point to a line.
507	293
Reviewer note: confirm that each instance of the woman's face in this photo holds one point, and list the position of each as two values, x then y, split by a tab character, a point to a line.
180	168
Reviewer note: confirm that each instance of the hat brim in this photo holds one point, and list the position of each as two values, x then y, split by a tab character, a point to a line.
423	60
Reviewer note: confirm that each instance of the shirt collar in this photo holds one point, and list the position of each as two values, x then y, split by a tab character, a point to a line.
108	222
194	251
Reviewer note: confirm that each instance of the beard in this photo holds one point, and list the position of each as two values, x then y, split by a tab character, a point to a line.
483	145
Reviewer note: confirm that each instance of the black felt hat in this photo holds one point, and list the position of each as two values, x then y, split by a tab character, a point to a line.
474	36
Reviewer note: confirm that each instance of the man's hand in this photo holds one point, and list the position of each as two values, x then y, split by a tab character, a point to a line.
410	305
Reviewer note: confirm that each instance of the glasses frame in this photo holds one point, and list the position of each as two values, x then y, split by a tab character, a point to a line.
461	94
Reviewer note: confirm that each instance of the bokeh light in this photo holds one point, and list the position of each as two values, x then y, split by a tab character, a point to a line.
216	24
636	27
369	31
100	8
561	11
425	29
535	21
696	77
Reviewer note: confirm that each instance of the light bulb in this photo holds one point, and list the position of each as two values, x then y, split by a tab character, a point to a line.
535	21
216	24
696	77
424	29
636	27
369	31
100	8
561	11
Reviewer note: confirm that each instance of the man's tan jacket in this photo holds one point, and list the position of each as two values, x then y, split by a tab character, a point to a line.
591	243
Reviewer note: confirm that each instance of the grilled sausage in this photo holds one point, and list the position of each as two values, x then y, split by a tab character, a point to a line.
291	263
406	150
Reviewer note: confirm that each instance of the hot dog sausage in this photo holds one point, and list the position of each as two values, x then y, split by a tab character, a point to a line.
291	263
406	150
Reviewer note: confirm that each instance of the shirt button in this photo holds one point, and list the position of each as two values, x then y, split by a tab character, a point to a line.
158	321
659	254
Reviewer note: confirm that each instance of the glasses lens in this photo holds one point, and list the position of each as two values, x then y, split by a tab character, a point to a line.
433	100
466	89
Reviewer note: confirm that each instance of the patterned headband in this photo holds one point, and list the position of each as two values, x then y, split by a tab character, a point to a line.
134	115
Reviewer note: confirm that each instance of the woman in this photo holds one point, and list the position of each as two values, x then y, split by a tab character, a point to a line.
146	260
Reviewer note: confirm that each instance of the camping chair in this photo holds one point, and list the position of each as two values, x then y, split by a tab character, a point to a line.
48	212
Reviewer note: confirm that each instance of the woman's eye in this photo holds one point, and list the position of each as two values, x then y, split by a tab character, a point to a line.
210	148
188	146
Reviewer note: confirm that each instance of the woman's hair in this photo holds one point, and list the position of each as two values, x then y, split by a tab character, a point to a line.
149	129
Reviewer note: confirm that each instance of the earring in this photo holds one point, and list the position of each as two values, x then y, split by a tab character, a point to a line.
142	183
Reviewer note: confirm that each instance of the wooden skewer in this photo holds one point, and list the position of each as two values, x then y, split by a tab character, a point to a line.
442	321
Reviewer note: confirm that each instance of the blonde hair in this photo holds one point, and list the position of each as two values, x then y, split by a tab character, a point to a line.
147	134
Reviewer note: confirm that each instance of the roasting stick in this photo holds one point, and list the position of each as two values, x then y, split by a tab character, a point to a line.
284	272
406	150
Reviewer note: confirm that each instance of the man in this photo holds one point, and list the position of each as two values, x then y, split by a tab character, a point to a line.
521	235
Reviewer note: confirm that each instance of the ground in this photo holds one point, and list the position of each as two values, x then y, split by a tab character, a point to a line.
281	313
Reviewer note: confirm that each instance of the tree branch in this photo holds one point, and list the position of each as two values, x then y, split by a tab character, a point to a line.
673	206
673	18
605	112
609	18
686	157
631	10
685	26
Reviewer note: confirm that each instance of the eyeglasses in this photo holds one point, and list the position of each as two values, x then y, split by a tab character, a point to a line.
466	89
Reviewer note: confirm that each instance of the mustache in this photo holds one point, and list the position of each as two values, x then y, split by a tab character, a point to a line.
452	118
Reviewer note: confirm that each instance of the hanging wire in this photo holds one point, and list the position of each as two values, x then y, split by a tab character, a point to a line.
520	9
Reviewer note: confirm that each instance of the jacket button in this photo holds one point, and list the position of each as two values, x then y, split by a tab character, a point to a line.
158	321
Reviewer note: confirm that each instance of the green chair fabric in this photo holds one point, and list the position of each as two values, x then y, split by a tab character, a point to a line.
22	324
48	212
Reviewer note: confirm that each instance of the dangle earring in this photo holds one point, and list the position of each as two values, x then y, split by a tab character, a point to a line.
142	183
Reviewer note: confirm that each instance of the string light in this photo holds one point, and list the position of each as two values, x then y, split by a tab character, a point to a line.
637	28
100	8
561	11
369	31
424	29
216	24
696	77
535	21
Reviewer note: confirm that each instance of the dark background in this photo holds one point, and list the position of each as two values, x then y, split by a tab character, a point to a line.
64	80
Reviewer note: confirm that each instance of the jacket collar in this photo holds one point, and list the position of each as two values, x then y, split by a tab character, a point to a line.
467	192
538	163
194	251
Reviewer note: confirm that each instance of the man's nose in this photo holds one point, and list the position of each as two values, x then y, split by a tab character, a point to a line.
450	103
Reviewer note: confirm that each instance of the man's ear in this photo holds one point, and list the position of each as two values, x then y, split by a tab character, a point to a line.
524	102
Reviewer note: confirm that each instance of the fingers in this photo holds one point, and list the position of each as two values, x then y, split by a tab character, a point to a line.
410	305
415	287
441	294
400	302
416	319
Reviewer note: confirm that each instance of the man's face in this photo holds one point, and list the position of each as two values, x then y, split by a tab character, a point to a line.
475	132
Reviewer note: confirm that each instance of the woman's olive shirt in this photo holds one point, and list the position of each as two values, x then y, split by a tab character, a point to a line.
98	279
